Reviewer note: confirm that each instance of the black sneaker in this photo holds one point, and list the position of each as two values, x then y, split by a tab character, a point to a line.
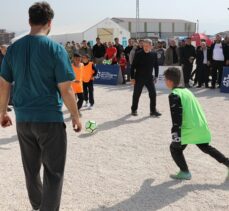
155	114
134	113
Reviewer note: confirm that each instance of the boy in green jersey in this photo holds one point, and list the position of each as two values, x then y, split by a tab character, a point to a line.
189	125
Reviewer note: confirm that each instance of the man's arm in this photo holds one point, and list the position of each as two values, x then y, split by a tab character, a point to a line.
5	87
156	67
133	66
70	102
95	70
176	114
4	94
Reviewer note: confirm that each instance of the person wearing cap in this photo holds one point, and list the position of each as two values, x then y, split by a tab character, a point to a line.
89	72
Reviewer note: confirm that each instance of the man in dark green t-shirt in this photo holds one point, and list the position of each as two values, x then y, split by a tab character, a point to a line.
42	74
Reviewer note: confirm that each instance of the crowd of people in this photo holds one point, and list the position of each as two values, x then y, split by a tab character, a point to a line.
202	64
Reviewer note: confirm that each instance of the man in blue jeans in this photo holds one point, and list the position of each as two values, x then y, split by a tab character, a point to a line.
42	74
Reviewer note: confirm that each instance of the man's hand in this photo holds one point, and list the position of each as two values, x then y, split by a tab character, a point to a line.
132	81
76	81
5	120
155	80
208	63
76	124
227	62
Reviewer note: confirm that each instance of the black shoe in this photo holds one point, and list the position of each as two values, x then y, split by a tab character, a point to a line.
155	114
134	113
187	86
212	87
198	86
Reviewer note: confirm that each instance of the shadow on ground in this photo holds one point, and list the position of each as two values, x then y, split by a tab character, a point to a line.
151	198
116	123
4	141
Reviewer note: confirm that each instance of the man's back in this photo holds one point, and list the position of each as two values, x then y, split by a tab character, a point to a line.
37	65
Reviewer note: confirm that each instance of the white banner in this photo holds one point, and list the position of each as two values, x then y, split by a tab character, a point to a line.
161	82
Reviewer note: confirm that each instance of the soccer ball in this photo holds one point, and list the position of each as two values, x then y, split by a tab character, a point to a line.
90	126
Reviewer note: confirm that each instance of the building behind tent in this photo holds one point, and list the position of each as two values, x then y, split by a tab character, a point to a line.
157	28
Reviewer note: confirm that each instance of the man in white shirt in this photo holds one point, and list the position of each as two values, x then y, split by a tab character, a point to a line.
217	55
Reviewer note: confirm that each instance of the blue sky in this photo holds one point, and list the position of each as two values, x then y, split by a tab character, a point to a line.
80	14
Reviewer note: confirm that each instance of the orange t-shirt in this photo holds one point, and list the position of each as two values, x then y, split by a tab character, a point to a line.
78	86
88	72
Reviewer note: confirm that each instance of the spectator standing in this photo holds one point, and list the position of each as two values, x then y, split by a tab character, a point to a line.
111	53
172	54
127	55
187	56
99	52
217	57
85	50
160	54
119	48
123	66
202	65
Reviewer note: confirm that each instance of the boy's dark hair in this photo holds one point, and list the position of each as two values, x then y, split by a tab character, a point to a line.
173	74
40	13
86	55
76	55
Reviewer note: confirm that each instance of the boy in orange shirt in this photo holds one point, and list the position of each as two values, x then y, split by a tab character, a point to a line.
77	84
89	71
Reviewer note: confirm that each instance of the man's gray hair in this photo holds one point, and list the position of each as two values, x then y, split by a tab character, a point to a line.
149	41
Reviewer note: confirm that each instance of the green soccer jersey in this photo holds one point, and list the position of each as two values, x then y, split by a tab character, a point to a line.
189	120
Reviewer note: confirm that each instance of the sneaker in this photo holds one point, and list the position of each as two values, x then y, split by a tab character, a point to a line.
90	107
155	114
181	176
134	113
86	104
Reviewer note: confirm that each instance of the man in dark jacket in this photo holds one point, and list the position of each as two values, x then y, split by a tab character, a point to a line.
187	57
218	57
142	75
202	65
98	51
119	48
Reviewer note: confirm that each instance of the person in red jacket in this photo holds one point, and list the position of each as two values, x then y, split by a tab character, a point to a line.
123	65
111	53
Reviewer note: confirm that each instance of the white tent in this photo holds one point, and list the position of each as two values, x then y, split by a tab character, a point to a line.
107	30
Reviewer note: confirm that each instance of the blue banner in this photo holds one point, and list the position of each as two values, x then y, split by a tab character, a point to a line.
225	80
107	74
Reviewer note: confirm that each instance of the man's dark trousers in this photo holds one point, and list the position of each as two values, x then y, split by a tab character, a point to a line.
88	90
139	84
187	71
217	65
43	143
